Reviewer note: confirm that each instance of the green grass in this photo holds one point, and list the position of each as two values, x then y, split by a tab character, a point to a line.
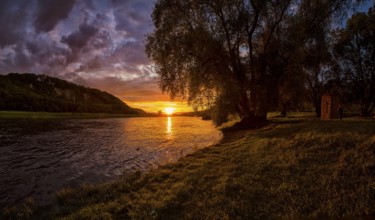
292	115
47	115
293	168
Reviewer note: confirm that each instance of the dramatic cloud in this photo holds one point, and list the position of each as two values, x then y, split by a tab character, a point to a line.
80	38
97	43
13	21
51	12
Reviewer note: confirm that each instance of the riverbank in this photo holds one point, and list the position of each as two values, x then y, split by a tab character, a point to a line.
292	168
62	115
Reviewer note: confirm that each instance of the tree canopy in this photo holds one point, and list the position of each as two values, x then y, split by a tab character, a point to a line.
355	52
232	56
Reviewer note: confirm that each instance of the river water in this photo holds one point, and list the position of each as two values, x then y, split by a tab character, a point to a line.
40	156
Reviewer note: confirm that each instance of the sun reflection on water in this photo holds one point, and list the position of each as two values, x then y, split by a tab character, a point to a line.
169	128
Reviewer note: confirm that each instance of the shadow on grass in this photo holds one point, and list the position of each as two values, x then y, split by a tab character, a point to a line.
287	129
287	121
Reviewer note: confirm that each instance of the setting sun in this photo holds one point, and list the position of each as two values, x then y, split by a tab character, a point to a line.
169	110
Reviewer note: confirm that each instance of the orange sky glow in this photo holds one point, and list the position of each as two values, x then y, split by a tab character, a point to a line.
138	93
155	106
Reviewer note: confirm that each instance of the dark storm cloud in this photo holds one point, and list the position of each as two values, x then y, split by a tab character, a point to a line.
91	65
98	43
133	16
13	20
50	12
78	40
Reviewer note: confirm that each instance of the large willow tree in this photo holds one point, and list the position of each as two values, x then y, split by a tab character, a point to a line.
229	55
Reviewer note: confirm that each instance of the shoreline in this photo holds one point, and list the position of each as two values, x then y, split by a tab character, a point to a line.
228	137
44	201
266	173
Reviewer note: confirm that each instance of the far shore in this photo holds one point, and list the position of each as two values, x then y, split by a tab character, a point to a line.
62	115
85	115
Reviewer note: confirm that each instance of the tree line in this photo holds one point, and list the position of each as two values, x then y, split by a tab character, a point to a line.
31	92
249	57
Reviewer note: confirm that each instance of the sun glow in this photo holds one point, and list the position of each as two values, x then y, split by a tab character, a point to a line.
169	110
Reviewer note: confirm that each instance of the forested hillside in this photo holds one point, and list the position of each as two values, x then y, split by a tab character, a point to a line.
31	92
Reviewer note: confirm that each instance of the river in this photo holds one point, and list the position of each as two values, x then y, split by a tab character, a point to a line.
41	156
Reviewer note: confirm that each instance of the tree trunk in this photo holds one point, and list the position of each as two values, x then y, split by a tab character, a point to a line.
258	118
318	104
318	109
283	110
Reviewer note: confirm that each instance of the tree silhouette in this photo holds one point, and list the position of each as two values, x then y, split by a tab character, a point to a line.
229	56
355	50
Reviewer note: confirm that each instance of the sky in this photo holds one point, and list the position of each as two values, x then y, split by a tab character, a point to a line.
95	43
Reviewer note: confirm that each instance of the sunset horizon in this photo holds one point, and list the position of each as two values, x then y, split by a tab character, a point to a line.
155	106
187	109
102	48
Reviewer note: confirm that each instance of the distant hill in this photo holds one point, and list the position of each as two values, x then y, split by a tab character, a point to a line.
31	92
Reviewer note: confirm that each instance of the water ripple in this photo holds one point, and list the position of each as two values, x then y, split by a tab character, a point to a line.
39	157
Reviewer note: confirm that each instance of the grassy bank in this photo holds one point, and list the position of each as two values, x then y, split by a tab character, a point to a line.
45	115
292	168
